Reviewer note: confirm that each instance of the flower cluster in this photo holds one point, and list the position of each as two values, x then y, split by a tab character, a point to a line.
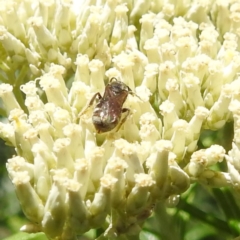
182	62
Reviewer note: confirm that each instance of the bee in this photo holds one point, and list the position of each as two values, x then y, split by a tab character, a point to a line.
107	113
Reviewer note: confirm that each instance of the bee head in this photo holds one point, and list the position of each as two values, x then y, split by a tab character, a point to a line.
118	87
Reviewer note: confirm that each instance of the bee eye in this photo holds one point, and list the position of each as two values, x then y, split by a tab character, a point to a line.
118	87
117	90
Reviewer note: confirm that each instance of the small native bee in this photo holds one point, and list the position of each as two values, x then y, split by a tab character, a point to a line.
107	113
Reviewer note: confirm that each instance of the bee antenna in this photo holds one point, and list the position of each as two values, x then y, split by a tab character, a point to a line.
134	94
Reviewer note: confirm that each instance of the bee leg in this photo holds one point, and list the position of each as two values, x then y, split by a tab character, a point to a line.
96	95
124	110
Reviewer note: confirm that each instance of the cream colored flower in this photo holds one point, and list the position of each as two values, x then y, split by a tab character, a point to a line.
183	70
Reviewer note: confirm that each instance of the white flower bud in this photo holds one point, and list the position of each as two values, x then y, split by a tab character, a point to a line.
19	121
14	19
55	209
179	180
34	103
96	159
131	39
178	138
19	164
64	158
120	28
127	151
139	8
78	212
61	118
186	47
169	117
124	63
96	80
90	33
10	42
38	117
166	71
219	113
214	154
194	128
149	132
8	98
90	143
82	71
31	204
81	175
232	157
162	32
78	95
33	57
167	52
7	133
101	199
149	80
234	174
197	164
116	168
29	88
63	23
209	43
151	48
175	96
44	36
215	179
53	89
74	133
193	91
198	65
140	61
146	29
42	163
139	196
158	162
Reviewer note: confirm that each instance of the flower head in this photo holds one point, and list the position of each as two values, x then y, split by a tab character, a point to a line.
183	75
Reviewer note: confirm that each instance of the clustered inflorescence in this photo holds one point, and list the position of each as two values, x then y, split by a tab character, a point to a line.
181	60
